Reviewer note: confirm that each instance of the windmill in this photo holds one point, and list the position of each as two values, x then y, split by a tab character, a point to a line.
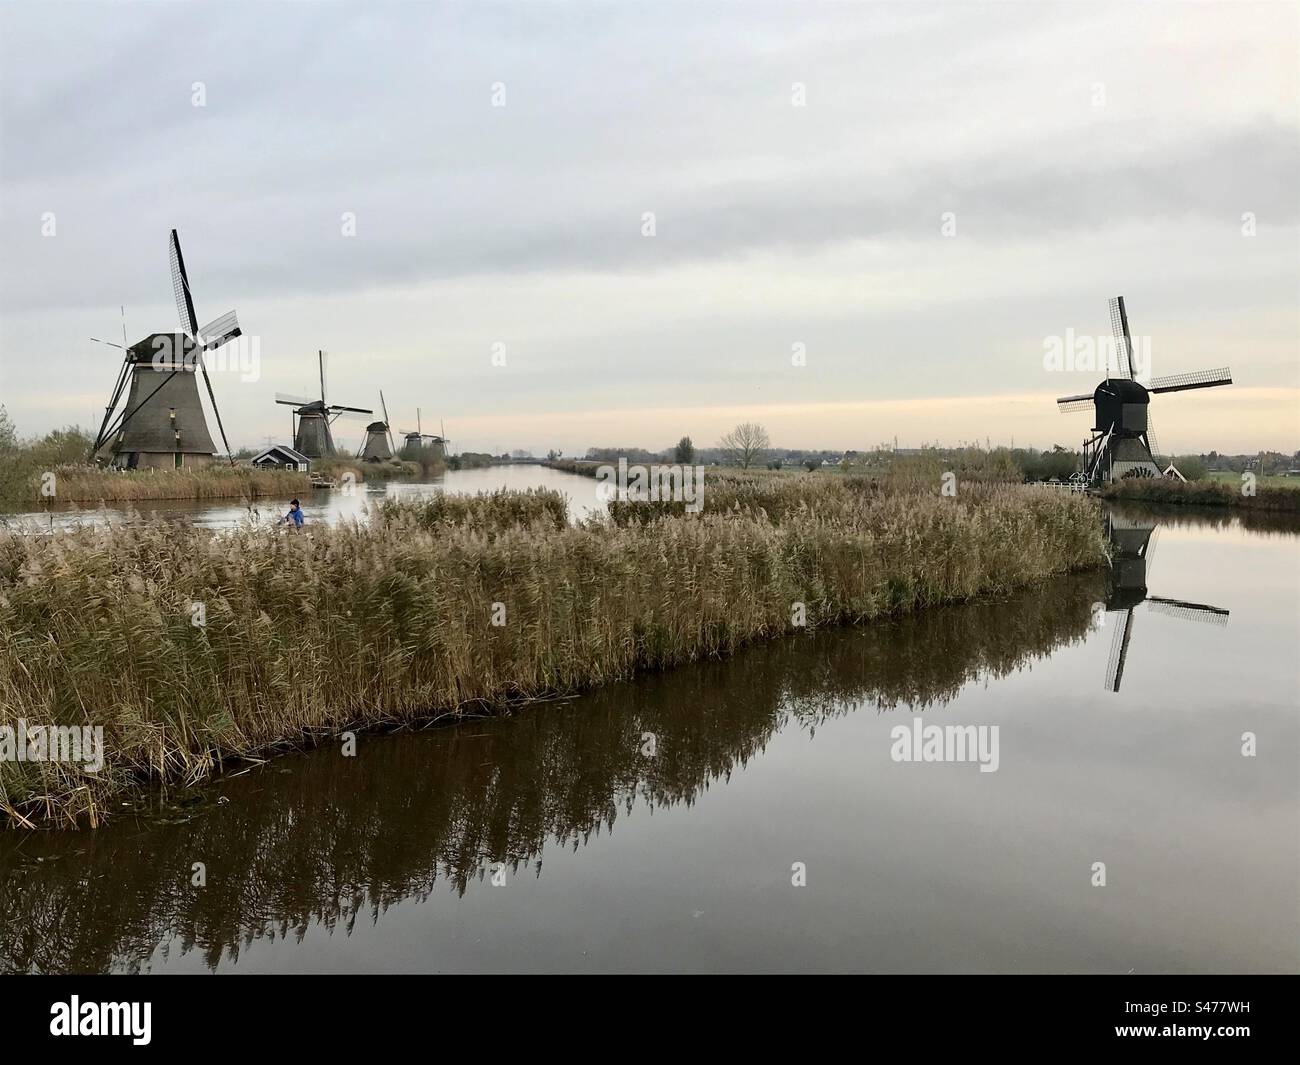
162	425
415	441
1133	544
313	418
1123	441
378	446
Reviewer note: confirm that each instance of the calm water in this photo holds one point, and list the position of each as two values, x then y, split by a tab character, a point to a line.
653	825
328	505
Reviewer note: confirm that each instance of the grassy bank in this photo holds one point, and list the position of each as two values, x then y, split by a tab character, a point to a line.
582	467
1210	493
426	613
91	484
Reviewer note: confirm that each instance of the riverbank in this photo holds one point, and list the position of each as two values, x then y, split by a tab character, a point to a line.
195	651
94	485
1205	494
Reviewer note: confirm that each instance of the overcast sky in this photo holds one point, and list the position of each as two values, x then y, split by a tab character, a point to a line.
1080	151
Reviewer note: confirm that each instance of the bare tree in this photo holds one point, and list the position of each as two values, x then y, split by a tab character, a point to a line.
745	443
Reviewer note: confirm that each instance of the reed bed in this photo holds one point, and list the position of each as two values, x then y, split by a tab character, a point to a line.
489	512
414	617
779	497
91	484
1205	493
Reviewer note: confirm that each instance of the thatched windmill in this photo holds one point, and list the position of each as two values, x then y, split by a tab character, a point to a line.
313	418
378	446
162	425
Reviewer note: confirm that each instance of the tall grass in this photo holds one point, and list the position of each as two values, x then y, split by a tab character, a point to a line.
413	617
337	467
489	512
848	498
91	484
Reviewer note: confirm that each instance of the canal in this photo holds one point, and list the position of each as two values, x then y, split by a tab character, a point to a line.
750	815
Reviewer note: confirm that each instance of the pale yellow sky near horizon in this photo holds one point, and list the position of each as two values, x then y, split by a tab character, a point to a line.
1233	420
1028	420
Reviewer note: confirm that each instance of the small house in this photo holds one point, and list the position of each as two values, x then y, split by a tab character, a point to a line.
282	457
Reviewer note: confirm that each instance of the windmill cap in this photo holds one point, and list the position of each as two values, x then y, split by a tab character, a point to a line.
161	348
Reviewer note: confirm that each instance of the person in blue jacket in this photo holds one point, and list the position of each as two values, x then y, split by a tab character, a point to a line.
294	515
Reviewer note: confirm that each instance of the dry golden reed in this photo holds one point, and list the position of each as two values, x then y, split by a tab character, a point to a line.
308	633
90	484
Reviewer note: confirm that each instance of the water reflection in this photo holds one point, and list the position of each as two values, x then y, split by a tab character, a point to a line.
316	842
651	825
1133	540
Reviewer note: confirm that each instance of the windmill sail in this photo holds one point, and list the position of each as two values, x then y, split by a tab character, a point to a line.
1183	382
1152	444
181	287
220	331
1123	342
1083	401
1119	650
1177	608
388	426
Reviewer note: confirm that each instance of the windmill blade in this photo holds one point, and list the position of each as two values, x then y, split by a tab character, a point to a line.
388	426
1123	342
296	401
119	387
1152	443
1149	553
1072	403
320	355
1118	651
1183	382
181	287
123	375
212	398
1177	608
339	409
220	330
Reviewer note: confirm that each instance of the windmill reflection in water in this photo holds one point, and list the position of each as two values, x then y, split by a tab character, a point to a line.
1132	544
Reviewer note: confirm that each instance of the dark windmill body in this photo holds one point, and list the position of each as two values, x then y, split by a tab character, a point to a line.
1123	441
313	417
378	446
419	444
162	425
1132	544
